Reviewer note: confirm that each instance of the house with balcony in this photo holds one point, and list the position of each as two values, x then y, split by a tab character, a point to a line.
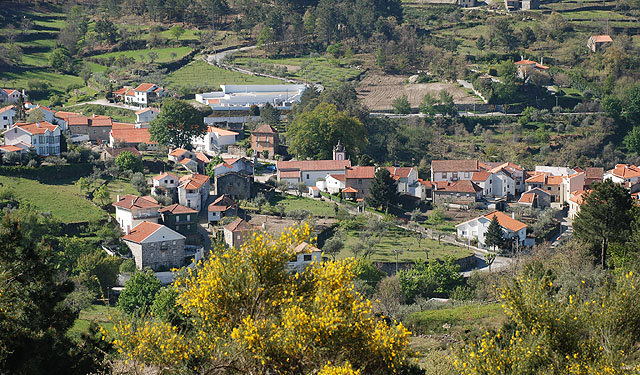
156	246
144	94
183	220
132	210
166	184
42	136
265	139
214	141
193	190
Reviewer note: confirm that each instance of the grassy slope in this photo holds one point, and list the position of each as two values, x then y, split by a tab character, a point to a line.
400	239
164	54
117	114
201	74
64	200
97	313
293	203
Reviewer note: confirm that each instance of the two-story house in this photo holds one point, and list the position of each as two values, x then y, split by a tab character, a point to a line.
145	116
166	184
193	190
453	170
239	165
47	113
359	179
265	139
237	232
476	229
6	116
458	192
309	171
304	255
43	137
144	94
560	187
625	174
96	127
156	246
221	207
183	220
407	181
132	210
10	96
214	141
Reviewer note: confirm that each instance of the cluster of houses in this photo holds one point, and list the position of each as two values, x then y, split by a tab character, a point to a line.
142	96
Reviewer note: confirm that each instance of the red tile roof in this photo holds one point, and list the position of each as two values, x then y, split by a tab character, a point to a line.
177	152
400	172
130	93
506	221
238	225
578	196
290	174
480	176
221	204
313	165
101	121
114	152
11	148
339	177
349	190
123	125
602	38
527	198
361	172
134	135
202	157
625	171
455	165
37	127
7	108
145	87
219	131
130	201
595	172
529	62
461	186
165	174
178	209
201	178
78	121
142	231
147	110
265	129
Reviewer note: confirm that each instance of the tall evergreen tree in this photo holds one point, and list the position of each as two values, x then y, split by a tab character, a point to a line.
494	237
605	217
383	191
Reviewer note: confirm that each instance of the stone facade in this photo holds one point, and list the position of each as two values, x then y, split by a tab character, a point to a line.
158	256
235	185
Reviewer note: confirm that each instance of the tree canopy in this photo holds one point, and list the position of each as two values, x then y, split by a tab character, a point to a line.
139	293
127	161
494	237
383	190
247	313
313	134
177	124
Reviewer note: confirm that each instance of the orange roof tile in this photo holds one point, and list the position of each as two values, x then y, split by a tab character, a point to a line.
401	172
361	172
178	209
454	165
117	151
145	87
201	178
625	171
349	190
313	165
222	203
142	231
130	201
147	110
121	91
506	221
265	129
165	174
177	152
11	148
37	127
219	131
135	135
7	108
480	176
579	196
238	225
461	186
529	62
122	125
339	177
527	198
602	38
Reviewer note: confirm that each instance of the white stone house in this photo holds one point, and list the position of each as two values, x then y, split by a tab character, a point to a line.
6	116
48	114
221	207
43	137
156	246
215	141
193	191
332	183
165	184
575	202
477	228
626	174
145	116
132	210
305	254
237	232
407	181
144	94
10	95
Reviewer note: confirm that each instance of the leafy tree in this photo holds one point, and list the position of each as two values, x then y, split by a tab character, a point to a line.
34	321
495	236
314	134
139	293
383	190
102	196
605	217
214	161
106	30
128	266
249	314
177	124
401	105
35	116
127	161
503	34
612	106
632	140
481	43
60	60
333	246
428	104
632	105
446	106
98	271
432	279
270	114
139	181
490	258
177	32
165	306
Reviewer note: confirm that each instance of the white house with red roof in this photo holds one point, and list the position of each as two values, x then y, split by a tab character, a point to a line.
144	94
527	67
10	95
575	202
131	210
193	190
6	116
145	116
214	141
48	114
43	137
332	183
222	206
166	184
477	228
626	174
240	165
129	135
156	246
309	171
407	181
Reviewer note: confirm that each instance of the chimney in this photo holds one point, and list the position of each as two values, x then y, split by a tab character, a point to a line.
118	198
513	215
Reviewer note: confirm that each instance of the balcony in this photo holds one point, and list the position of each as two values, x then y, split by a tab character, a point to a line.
145	215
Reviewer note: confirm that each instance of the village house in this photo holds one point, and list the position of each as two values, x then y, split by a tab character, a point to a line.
463	192
591	175
96	127
559	187
166	184
6	116
407	181
155	246
239	165
359	179
309	171
221	207
194	162
62	118
215	141
575	202
234	184
127	135
535	198
513	5
625	174
144	94
453	170
597	43
10	96
183	220
314	192
132	210
42	136
304	255
265	139
242	97
193	191
112	153
145	116
237	232
332	183
527	67
8	149
476	229
46	113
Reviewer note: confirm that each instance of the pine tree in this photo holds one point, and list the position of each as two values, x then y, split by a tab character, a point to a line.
494	237
383	191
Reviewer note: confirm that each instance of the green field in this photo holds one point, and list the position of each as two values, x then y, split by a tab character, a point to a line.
63	200
460	318
94	313
201	74
293	203
117	114
164	54
397	238
311	69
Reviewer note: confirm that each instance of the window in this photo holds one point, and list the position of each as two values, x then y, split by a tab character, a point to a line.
466	174
188	217
359	181
41	139
174	242
444	174
454	175
307	176
307	257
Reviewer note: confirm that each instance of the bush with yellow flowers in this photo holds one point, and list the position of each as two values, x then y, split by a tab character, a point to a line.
246	313
590	331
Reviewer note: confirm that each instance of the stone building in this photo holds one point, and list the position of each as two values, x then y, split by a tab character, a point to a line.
156	246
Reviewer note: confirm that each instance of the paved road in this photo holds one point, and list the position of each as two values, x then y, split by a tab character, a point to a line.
566	232
218	57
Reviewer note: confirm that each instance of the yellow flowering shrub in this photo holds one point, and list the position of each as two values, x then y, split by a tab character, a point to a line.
588	332
247	313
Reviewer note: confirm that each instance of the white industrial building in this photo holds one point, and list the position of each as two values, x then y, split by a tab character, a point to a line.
242	97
